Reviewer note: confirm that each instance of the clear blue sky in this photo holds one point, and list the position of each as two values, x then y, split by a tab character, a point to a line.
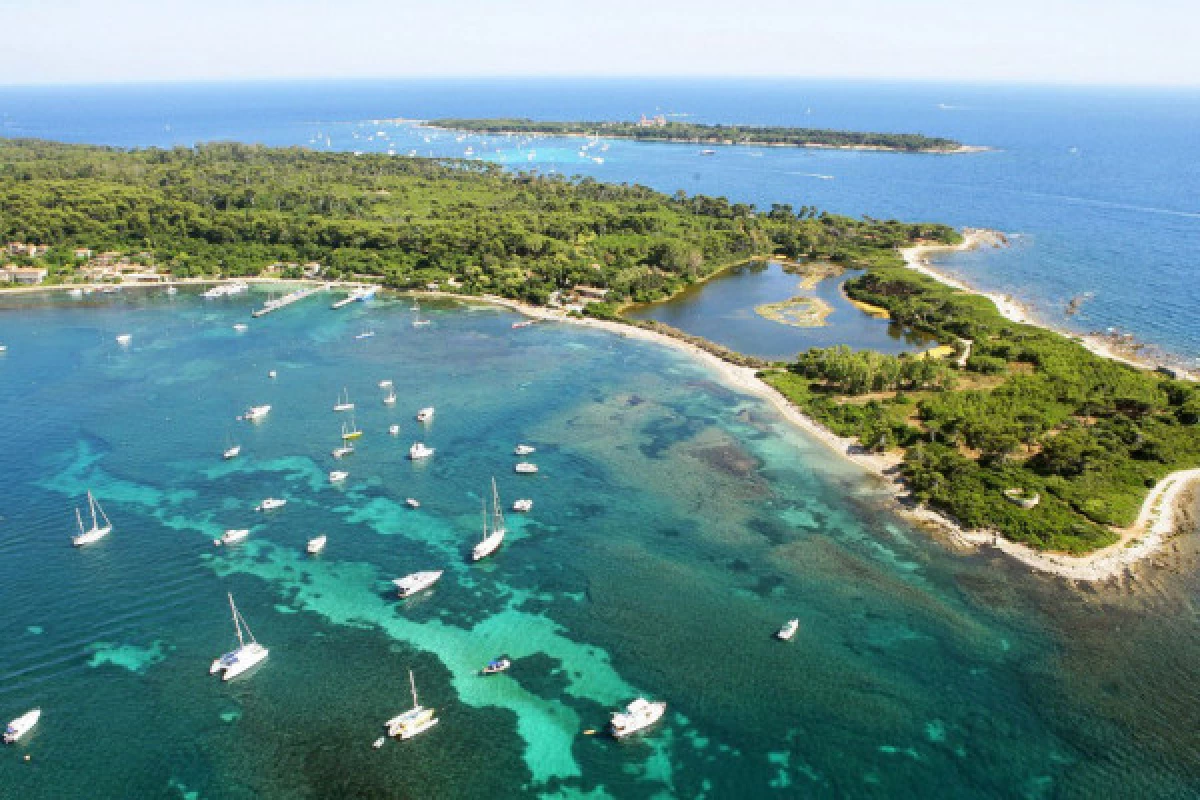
1044	41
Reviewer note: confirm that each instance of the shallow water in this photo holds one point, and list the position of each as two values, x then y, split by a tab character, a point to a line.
676	525
723	310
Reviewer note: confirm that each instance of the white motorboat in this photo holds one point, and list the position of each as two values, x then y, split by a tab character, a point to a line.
97	531
416	582
255	413
21	725
394	430
417	719
419	451
343	402
412	503
172	290
491	539
425	414
344	450
524	324
124	338
316	545
233	451
272	374
231	536
270	504
241	327
524	449
788	630
247	654
526	468
524	505
337	476
638	715
385	384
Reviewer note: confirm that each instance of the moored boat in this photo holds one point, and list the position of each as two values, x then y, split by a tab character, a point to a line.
21	725
343	402
255	413
231	536
524	449
638	715
417	719
412	503
526	468
344	450
425	414
491	540
338	475
394	430
788	630
233	451
124	338
419	451
316	545
416	582
524	505
270	504
245	656
496	665
97	531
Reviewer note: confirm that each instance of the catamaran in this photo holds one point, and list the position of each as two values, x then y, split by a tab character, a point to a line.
231	536
352	432
491	540
97	531
416	582
343	402
639	714
788	630
414	721
21	725
246	655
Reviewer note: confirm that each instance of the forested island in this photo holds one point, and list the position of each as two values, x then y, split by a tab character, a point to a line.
697	133
1028	413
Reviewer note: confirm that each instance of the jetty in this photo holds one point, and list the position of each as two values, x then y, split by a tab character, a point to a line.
288	299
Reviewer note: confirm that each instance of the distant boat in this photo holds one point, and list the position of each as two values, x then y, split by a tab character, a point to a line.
246	655
272	374
21	725
708	152
337	476
425	414
491	539
352	432
344	450
231	536
365	335
316	545
270	504
385	384
76	293
418	322
394	430
788	630
412	503
390	399
417	719
97	531
419	451
496	665
172	290
526	468
232	449
524	449
523	506
241	327
416	582
343	402
124	338
524	324
638	715
255	413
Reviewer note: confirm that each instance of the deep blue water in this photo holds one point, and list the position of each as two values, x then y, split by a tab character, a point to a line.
1099	186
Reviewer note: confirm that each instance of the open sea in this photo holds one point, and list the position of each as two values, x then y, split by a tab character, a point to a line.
676	523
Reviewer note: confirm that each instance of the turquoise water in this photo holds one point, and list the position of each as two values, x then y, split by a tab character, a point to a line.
676	525
722	310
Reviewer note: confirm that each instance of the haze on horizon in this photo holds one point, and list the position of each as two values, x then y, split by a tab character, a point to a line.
1103	42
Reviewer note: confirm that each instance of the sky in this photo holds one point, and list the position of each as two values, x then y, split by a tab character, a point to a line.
1104	42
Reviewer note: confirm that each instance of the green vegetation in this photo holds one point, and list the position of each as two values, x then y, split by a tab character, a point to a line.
233	209
710	134
1033	410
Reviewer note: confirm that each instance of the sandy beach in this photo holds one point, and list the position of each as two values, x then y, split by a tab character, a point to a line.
1156	522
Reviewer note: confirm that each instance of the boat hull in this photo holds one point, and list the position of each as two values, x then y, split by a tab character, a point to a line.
92	536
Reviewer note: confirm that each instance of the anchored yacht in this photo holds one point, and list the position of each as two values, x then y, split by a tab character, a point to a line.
425	414
255	413
317	545
491	539
97	531
638	715
247	654
788	630
231	536
343	402
270	504
419	451
416	582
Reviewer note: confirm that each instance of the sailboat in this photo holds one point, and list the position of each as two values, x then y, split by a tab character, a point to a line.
418	322
390	399
343	401
490	541
352	432
246	655
414	721
97	531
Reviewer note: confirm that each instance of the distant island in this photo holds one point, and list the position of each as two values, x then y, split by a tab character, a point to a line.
1010	428
659	129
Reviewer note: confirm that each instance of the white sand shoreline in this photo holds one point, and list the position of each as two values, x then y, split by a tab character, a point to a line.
1155	524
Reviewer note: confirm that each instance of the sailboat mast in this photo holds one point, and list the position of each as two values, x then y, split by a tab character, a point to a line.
497	514
413	683
92	505
237	626
79	520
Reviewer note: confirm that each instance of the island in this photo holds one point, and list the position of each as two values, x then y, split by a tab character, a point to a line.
659	129
1006	430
